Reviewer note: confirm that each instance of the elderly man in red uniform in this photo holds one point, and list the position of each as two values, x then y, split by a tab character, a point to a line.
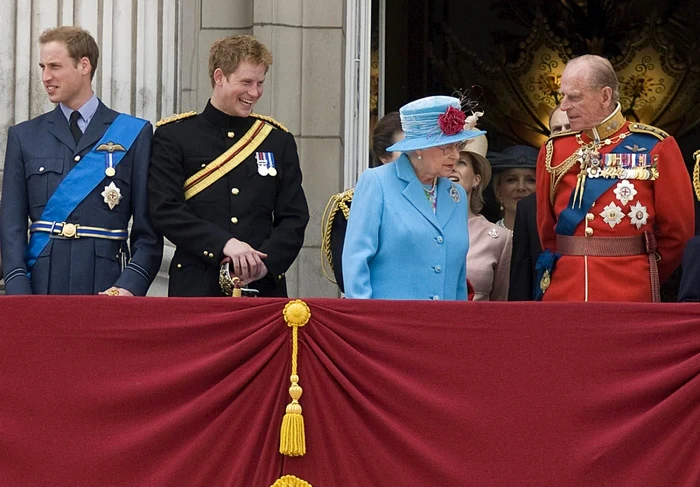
614	199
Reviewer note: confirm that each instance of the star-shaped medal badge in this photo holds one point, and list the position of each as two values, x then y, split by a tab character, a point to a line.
112	195
625	191
638	215
612	214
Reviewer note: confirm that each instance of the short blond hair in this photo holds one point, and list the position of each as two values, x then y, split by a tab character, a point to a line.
79	44
228	53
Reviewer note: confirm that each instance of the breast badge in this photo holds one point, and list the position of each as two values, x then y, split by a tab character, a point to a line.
638	215
109	148
612	214
625	192
112	195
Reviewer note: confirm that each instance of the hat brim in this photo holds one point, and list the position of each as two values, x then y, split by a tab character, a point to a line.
407	145
500	163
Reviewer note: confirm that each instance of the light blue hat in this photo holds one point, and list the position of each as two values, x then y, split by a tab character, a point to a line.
420	121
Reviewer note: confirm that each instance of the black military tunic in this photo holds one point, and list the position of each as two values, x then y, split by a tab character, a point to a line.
269	213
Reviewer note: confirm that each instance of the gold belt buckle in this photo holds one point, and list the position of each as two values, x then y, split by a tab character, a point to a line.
69	230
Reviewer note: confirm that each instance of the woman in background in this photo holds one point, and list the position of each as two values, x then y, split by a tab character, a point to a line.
514	179
407	235
488	260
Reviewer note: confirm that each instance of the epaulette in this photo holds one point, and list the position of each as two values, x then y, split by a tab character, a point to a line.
563	133
696	174
648	129
337	202
270	120
175	118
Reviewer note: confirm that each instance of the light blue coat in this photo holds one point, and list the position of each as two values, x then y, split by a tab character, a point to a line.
396	247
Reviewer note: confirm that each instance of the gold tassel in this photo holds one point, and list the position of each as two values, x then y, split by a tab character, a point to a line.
292	437
291	481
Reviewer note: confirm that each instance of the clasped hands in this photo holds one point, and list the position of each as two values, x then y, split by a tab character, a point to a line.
247	262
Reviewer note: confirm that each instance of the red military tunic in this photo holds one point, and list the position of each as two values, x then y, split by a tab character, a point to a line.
629	206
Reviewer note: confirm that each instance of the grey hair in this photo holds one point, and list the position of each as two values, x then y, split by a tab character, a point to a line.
600	74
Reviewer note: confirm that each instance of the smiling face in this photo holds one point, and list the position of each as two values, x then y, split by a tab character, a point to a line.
464	175
237	94
65	80
513	185
585	105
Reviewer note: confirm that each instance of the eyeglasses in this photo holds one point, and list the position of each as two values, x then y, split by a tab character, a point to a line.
459	147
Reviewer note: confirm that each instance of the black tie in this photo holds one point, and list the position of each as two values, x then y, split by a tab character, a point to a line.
74	129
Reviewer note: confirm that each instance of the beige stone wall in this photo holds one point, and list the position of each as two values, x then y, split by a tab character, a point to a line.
304	91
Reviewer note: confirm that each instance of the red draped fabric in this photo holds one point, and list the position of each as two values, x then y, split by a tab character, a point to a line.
98	391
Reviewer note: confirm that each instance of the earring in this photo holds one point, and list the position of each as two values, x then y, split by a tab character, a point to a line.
501	207
420	157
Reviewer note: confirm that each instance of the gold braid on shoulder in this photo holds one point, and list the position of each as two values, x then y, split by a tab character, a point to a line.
338	202
696	174
557	172
270	120
175	118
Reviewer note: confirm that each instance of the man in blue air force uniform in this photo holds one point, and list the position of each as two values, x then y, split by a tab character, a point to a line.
79	173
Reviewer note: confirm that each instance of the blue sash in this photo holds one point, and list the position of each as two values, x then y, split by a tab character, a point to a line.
595	187
82	179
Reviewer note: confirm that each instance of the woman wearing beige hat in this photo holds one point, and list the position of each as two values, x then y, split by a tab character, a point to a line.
488	259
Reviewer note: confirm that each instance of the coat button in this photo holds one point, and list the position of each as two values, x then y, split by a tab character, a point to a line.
235	191
230	135
438	269
590	217
588	231
234	220
440	239
436	298
179	266
41	169
204	164
206	252
76	158
211	256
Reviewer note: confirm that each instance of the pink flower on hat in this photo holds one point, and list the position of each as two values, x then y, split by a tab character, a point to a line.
452	121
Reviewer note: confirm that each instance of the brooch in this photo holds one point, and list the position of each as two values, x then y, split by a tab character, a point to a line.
454	193
625	191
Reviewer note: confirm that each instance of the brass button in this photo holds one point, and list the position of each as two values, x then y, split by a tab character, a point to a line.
235	191
211	256
179	266
279	277
204	165
234	220
76	158
41	169
590	217
206	253
589	231
230	135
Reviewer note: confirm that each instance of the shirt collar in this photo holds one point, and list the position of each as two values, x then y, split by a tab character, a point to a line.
87	111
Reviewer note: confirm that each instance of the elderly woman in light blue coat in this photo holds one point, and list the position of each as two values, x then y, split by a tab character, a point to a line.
407	234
